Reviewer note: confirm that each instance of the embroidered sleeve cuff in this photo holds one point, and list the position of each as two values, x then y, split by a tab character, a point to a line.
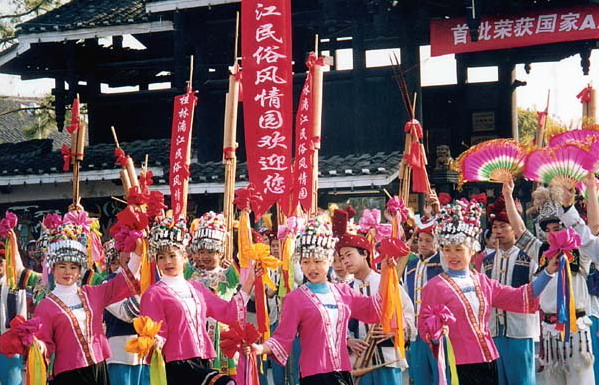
531	303
131	281
279	353
241	299
571	217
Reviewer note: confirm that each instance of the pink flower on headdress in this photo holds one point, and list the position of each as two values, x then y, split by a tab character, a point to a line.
371	219
8	223
52	221
396	206
294	225
80	218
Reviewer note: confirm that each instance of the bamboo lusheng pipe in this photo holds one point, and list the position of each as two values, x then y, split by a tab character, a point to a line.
80	149
126	182
131	172
364	371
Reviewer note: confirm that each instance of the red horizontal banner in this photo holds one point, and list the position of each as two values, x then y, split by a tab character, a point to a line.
521	30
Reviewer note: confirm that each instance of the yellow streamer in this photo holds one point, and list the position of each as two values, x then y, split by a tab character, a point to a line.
244	241
36	365
452	363
157	368
10	245
392	304
146	272
572	303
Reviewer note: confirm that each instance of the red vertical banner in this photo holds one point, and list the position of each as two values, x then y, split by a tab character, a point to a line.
304	141
180	156
268	96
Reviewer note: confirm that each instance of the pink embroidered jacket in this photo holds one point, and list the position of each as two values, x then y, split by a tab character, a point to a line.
470	335
185	334
303	313
61	333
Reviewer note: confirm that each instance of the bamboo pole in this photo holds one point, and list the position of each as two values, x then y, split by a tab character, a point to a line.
229	148
77	148
317	90
188	158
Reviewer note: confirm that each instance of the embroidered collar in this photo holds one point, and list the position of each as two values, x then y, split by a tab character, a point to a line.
458	273
318	287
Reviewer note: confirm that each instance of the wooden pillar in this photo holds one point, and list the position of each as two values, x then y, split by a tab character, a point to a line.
59	104
93	91
359	87
507	113
181	74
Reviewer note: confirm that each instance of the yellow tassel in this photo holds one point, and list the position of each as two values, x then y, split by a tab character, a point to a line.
572	305
36	366
244	240
146	267
10	245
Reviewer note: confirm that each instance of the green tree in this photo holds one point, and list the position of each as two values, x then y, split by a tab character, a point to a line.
528	122
15	12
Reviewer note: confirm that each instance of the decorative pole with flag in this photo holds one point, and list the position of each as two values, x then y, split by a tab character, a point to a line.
74	155
230	146
542	123
414	162
127	173
180	155
268	97
308	124
588	97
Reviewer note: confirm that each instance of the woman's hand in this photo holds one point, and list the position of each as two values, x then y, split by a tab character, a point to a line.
251	278
553	265
507	189
357	346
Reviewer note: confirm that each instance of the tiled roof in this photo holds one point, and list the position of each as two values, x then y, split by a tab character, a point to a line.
37	157
12	124
79	14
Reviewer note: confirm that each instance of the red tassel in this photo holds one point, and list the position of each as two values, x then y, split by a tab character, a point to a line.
261	310
419	174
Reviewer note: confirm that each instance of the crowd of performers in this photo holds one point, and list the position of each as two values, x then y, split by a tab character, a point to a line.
469	315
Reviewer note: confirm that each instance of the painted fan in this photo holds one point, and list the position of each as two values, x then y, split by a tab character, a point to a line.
561	165
581	136
496	160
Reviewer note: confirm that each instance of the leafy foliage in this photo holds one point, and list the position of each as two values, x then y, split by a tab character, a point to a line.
528	122
16	12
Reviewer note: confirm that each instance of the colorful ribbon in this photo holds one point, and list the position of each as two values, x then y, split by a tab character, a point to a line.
392	318
147	330
435	320
561	245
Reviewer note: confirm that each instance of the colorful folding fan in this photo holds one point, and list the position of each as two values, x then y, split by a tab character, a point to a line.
585	137
563	165
496	160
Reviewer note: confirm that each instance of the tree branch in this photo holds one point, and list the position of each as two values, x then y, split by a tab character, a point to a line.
26	109
35	8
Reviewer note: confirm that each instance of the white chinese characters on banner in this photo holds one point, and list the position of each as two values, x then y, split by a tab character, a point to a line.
180	148
508	31
267	80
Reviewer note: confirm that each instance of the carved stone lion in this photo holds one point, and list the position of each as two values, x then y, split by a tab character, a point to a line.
444	159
